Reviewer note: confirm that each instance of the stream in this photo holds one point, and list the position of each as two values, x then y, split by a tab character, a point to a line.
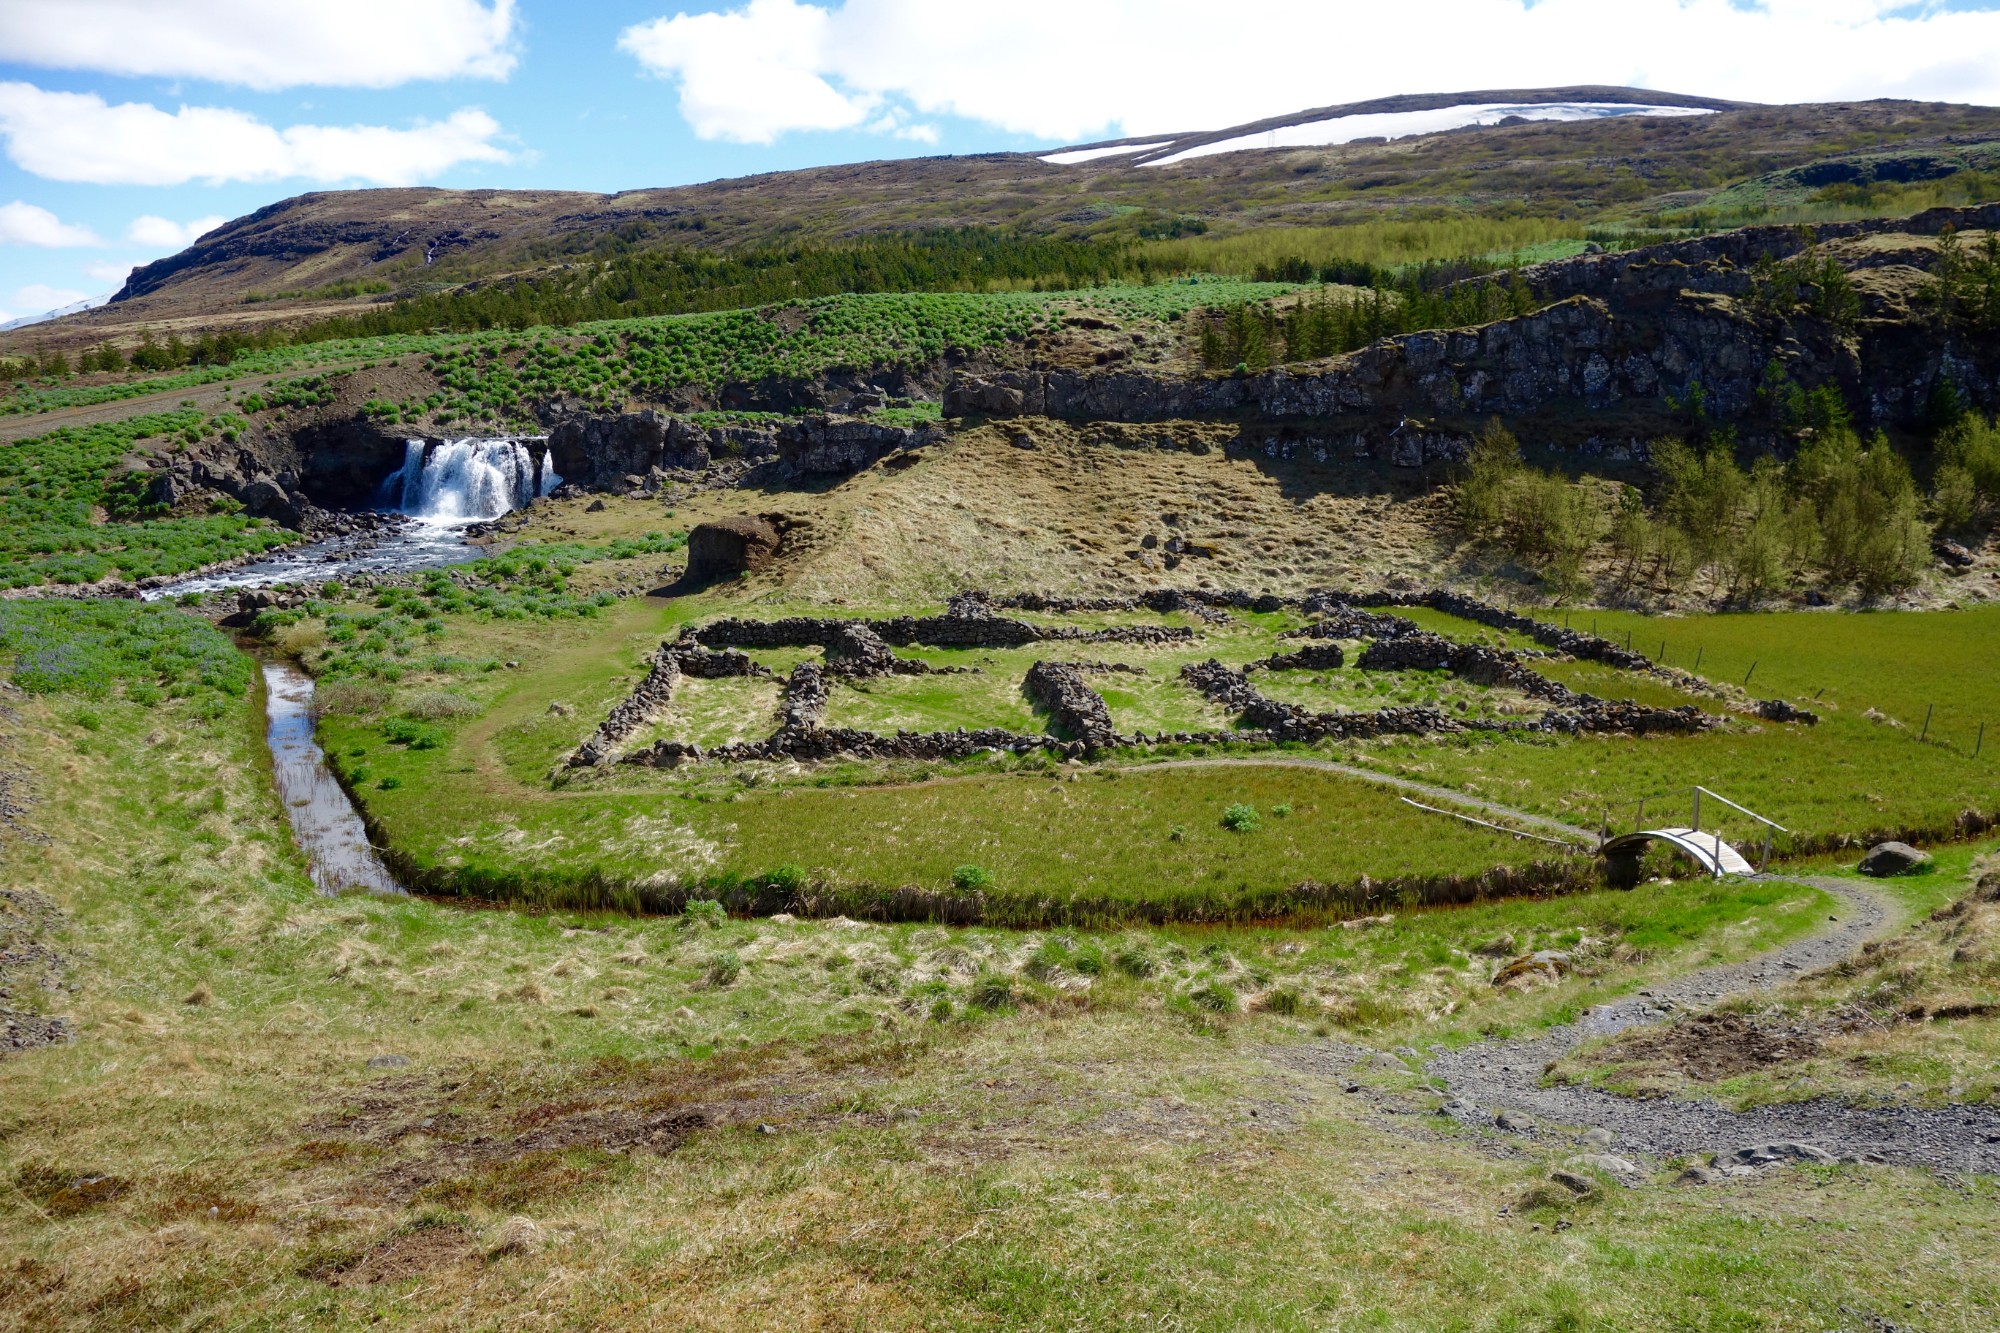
443	487
324	821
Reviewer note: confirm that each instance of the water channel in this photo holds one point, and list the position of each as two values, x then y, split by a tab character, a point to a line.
442	488
324	821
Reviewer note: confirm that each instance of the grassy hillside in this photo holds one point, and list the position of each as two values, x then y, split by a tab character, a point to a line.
1550	179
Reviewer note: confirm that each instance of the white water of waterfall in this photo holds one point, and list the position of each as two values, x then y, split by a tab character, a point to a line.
465	481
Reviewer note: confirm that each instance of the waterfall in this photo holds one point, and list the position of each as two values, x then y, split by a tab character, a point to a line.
463	481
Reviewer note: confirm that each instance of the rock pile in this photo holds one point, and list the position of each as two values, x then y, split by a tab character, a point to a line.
1289	722
1318	657
653	694
1077	709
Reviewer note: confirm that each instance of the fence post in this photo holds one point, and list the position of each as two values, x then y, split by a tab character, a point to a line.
1751	672
1928	710
1697	810
1697	657
1979	744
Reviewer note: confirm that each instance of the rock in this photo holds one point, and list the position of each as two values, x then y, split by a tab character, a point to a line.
1598	1138
1514	1122
1459	1107
1366	922
389	1062
1771	1154
1384	1061
727	547
594	507
1893	858
1951	553
1699	1175
1497	948
1574	1183
1609	1163
1544	966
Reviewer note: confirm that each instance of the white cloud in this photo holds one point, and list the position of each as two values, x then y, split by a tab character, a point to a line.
259	44
27	224
751	74
158	233
79	137
1077	69
107	270
38	296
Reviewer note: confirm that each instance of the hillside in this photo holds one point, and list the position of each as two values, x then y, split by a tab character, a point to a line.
331	253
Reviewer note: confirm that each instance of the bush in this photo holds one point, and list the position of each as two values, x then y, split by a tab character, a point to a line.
703	914
971	879
788	879
1241	818
402	731
723	969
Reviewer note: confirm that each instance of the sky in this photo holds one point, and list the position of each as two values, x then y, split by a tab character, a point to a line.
129	127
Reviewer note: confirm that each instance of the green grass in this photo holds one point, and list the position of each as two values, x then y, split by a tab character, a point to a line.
972	1127
70	514
1850	776
494	377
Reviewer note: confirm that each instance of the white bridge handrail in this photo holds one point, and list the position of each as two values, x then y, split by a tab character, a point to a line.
1745	810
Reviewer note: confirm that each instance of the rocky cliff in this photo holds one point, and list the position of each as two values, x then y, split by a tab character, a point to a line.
1631	345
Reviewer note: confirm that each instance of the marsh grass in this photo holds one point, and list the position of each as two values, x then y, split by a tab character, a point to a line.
968	1122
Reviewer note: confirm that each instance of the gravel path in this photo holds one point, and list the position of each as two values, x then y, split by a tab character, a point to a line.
1498	1076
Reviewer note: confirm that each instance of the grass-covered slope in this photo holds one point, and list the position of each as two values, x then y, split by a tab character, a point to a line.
70	512
756	1123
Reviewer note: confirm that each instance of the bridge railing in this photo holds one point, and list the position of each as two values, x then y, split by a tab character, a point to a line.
1771	826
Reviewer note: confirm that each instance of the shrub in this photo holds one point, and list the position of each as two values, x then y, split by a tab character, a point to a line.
788	879
402	731
389	784
723	969
703	914
1241	818
971	879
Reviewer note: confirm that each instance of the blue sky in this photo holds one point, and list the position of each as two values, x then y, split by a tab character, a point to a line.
124	124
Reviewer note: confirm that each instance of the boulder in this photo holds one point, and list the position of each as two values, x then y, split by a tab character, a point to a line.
1543	965
728	547
1893	858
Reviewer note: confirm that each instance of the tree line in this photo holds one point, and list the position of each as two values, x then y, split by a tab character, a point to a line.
1844	509
1450	294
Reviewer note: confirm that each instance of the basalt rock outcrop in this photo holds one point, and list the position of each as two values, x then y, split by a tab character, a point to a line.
1625	338
631	450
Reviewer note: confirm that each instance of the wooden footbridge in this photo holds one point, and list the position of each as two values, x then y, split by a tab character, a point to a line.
1707	850
1624	852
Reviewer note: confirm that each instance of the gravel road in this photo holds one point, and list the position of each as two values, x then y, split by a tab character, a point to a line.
1504	1076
